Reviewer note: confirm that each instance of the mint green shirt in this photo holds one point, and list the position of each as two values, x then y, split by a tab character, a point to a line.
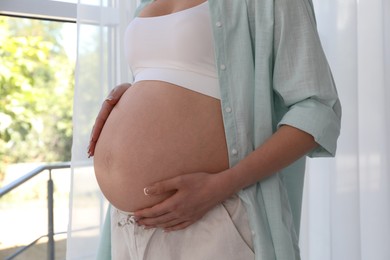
272	71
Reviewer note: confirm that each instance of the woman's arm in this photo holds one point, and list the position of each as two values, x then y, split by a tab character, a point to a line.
284	147
197	193
109	103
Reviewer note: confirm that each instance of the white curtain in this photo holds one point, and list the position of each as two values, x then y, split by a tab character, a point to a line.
100	28
346	208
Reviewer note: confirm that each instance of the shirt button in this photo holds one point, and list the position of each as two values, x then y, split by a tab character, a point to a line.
234	152
228	109
218	24
222	67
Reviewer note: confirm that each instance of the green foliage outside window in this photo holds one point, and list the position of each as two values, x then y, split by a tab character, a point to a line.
36	93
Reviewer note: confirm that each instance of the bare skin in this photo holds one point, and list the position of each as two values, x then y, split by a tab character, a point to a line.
155	132
108	105
196	193
180	189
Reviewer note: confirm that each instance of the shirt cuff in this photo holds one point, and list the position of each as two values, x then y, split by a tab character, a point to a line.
320	121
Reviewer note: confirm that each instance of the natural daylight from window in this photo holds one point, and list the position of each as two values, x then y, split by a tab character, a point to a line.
36	97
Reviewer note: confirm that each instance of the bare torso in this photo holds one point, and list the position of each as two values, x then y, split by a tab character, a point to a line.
157	131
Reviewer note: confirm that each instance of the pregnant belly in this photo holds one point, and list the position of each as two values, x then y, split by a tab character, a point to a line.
157	131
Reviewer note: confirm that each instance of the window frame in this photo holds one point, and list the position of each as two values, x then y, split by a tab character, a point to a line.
40	9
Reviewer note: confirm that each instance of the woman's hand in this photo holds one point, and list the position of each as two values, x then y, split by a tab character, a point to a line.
194	195
107	106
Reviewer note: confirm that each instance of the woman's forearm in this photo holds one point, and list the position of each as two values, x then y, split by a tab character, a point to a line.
283	148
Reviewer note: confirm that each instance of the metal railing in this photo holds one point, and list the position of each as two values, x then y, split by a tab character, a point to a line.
50	204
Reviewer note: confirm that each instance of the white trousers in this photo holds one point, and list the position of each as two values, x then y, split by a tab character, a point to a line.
223	233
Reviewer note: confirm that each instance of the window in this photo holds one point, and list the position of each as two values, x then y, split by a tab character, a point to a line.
38	52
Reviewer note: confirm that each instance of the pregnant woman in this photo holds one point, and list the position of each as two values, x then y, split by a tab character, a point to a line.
192	155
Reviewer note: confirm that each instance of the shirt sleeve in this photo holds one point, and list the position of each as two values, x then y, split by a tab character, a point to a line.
302	80
141	6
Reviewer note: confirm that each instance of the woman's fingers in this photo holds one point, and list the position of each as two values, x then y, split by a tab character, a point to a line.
163	221
116	93
179	226
162	187
189	201
107	106
156	211
98	126
168	222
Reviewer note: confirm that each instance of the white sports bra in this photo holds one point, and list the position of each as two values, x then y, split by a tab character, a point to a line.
176	48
